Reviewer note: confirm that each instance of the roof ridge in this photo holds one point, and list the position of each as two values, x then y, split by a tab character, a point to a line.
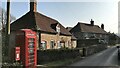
46	16
85	27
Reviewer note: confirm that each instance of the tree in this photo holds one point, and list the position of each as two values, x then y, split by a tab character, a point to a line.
3	18
3	21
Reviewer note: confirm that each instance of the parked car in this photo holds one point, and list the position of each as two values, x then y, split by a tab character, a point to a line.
118	52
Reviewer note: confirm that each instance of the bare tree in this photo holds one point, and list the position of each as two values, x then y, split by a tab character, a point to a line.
3	21
3	18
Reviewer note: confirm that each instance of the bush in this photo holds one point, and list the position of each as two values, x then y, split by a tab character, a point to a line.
56	54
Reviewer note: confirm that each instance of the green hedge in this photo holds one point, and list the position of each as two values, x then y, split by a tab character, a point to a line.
44	56
56	54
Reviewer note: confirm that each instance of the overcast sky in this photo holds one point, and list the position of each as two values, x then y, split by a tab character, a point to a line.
69	13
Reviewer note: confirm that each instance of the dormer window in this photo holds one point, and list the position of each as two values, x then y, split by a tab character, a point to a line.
58	28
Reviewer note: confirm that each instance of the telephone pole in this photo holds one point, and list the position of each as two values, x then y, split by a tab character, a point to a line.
8	17
7	31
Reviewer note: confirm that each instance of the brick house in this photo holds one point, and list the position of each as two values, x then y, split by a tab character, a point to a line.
90	32
50	33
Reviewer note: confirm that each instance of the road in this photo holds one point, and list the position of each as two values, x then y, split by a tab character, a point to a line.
107	57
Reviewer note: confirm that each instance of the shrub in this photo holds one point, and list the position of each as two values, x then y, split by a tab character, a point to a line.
56	54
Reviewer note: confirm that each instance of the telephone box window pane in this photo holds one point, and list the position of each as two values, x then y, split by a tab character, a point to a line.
31	45
31	39
31	60
52	44
31	51
31	56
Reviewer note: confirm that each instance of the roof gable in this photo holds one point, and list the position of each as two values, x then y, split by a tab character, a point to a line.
26	20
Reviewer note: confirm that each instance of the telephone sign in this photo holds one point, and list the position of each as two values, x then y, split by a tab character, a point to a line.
17	52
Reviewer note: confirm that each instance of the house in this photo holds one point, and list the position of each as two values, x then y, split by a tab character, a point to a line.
74	39
113	39
50	33
73	42
89	33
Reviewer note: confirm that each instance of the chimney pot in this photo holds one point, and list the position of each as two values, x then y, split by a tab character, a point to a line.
102	26
92	22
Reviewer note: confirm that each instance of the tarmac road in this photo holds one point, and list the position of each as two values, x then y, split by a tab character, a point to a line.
107	57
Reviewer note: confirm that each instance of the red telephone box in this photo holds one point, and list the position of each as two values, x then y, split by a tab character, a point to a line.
26	40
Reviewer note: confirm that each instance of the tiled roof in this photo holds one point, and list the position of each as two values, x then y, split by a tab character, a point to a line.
37	21
69	28
83	27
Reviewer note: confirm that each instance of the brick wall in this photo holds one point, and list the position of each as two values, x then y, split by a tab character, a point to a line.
52	37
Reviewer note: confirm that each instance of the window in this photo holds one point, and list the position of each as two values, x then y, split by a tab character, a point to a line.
31	40
86	35
94	35
52	44
69	44
59	45
43	45
100	36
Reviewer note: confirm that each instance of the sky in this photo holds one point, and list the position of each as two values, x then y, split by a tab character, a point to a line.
119	18
69	12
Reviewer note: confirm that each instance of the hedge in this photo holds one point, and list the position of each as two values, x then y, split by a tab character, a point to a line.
56	54
44	56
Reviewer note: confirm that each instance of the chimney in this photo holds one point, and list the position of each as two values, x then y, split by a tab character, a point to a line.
102	26
92	22
33	5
